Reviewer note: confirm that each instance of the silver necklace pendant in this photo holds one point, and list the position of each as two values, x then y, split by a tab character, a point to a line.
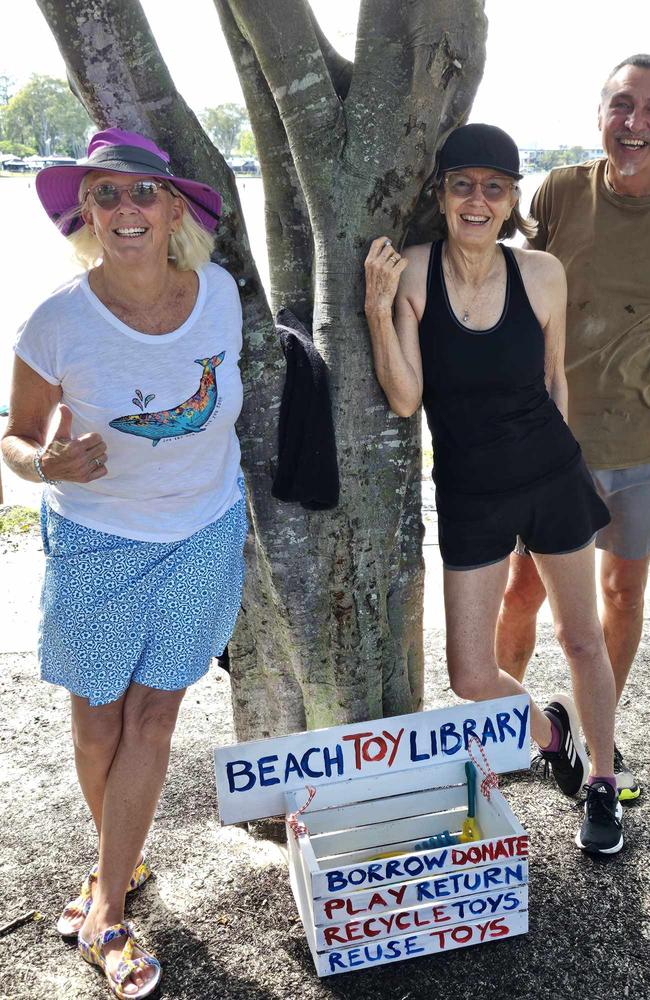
465	317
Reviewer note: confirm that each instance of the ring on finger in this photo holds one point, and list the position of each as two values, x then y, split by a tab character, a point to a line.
98	462
394	258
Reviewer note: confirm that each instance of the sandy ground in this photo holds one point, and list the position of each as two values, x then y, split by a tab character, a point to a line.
219	911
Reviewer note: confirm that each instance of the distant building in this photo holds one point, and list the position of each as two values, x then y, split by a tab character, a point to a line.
247	165
528	159
533	159
18	164
52	161
14	164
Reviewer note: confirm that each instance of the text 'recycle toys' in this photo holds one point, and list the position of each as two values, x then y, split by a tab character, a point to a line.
400	844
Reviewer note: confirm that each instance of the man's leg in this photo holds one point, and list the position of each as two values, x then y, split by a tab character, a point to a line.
515	633
623	583
625	545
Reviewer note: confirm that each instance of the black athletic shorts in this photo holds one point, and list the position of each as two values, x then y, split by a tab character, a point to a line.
551	517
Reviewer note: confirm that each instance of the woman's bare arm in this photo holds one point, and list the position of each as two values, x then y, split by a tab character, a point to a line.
393	323
32	403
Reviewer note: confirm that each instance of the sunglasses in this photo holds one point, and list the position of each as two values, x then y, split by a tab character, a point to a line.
141	193
462	187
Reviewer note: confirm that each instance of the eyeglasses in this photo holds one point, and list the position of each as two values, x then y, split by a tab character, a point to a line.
494	189
141	193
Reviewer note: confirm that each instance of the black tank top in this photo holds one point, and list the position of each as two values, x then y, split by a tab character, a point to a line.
494	426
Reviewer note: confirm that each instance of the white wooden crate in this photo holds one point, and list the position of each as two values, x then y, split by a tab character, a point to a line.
380	789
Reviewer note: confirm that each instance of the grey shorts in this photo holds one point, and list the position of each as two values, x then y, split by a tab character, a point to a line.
627	495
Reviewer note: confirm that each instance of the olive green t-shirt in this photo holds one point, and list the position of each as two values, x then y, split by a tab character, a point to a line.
603	240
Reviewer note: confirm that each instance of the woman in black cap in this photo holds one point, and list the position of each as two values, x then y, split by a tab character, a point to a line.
135	363
474	330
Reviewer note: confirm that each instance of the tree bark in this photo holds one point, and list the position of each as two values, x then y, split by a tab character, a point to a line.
288	229
331	625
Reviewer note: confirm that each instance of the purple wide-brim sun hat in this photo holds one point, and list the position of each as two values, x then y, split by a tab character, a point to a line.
119	152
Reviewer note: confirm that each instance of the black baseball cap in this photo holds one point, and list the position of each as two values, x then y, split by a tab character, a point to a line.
480	146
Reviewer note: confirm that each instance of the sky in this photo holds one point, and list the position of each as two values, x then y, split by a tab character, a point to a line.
546	59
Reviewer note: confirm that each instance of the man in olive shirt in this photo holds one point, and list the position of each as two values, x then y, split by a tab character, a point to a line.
595	217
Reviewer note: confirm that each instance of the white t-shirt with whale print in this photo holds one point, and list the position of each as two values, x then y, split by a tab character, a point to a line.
165	405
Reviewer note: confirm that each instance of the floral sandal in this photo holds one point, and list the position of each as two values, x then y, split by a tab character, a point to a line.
75	912
128	964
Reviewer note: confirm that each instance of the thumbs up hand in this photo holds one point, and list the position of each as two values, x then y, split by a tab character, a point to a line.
64	430
75	460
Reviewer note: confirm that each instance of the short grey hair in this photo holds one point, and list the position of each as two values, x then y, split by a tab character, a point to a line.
641	60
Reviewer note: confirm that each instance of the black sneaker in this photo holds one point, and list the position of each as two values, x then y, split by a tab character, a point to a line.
602	830
569	764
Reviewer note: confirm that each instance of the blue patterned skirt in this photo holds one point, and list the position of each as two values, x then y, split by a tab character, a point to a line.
116	610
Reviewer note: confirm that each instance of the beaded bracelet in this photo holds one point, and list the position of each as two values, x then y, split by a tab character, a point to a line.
39	469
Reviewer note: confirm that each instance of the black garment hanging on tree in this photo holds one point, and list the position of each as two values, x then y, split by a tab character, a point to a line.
307	471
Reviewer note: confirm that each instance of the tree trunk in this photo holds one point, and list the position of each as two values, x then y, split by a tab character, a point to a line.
331	624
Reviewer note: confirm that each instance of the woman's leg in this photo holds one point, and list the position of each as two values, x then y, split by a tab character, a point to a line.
95	736
132	790
570	583
472	601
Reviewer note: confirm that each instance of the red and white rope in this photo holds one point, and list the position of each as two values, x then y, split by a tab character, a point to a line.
489	780
298	827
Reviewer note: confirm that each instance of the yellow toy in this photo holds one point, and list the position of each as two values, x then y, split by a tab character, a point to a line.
470	829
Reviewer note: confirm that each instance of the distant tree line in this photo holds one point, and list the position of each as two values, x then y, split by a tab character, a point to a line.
229	128
43	117
562	157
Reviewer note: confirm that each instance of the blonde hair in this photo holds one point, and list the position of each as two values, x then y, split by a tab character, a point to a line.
190	246
513	224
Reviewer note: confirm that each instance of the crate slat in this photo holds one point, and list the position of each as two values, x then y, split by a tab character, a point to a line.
378	837
440	888
322	819
431	916
407	946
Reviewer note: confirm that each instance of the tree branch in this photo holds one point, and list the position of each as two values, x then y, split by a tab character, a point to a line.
288	229
285	44
340	68
430	44
417	67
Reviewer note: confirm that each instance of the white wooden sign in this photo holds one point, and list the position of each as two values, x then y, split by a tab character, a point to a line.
253	778
386	868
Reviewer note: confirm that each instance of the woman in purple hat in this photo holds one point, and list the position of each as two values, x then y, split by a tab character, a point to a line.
474	330
125	394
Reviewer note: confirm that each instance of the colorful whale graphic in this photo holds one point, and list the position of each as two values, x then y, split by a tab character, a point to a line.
186	418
